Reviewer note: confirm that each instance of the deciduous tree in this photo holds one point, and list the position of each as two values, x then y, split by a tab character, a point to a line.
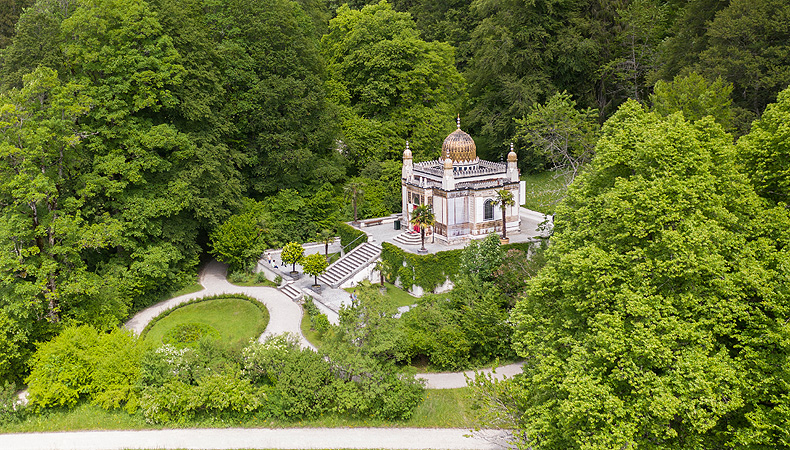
657	321
314	264
292	253
765	151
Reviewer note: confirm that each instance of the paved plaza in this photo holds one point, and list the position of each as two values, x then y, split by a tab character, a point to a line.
529	230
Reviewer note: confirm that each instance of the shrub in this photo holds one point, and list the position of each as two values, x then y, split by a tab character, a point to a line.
82	363
278	280
215	395
236	277
10	409
300	378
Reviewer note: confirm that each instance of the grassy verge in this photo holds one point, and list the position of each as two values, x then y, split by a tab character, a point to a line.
188	289
543	191
250	279
443	408
396	294
311	335
235	319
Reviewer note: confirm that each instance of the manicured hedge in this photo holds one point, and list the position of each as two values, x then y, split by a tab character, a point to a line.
348	234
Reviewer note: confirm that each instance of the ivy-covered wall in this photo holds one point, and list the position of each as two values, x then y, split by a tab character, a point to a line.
427	271
348	234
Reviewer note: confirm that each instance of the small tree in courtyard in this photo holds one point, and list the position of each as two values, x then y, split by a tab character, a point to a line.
380	266
423	217
314	265
504	198
326	237
292	254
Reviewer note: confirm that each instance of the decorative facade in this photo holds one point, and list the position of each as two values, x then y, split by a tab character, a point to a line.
461	188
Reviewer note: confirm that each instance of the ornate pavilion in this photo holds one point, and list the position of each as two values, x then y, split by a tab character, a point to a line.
461	189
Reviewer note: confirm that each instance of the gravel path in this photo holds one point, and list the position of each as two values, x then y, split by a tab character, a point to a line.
256	438
285	316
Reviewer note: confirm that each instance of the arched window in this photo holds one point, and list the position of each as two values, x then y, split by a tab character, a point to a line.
488	210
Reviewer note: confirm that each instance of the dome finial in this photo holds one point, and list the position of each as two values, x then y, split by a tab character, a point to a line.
458	121
511	157
511	146
407	145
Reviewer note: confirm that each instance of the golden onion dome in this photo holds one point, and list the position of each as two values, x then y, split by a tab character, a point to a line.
459	146
407	152
511	157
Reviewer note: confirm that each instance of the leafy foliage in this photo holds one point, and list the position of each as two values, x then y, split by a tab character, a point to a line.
695	97
423	217
315	264
765	151
350	237
660	302
238	241
82	363
391	85
559	136
292	253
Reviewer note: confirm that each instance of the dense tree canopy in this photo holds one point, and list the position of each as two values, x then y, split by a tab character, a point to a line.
659	318
137	136
391	85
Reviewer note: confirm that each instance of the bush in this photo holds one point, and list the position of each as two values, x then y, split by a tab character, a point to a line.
215	395
237	277
82	363
10	409
305	384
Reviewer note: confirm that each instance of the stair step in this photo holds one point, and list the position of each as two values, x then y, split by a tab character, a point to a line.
350	264
291	292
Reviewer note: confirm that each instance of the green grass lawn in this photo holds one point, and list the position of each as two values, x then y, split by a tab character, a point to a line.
250	279
542	192
310	334
398	295
441	408
235	319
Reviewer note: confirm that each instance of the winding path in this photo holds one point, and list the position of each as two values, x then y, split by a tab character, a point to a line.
258	438
285	316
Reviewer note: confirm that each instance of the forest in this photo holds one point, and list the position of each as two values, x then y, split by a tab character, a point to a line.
137	134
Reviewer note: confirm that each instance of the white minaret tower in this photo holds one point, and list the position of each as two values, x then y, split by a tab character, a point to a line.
512	165
448	182
407	176
407	173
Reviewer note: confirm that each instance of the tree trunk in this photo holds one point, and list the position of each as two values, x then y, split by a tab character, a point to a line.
504	223
422	237
355	208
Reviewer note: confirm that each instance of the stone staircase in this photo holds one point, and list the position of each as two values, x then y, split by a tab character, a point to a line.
291	291
408	238
350	264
